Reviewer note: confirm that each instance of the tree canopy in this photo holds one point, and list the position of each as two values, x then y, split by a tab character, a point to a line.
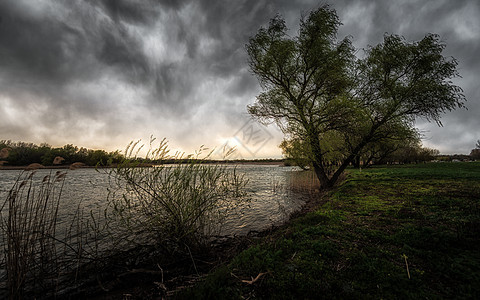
475	153
335	104
22	154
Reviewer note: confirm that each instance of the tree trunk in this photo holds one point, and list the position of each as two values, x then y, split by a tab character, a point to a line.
321	175
367	163
350	158
354	153
318	166
356	162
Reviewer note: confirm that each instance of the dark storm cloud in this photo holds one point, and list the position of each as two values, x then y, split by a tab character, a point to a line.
213	34
59	57
117	62
60	44
33	45
55	45
129	11
208	35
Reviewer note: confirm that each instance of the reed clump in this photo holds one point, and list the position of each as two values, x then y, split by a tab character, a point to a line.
177	204
304	181
42	255
28	223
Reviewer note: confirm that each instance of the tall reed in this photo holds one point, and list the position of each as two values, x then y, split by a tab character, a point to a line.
28	222
43	252
46	254
178	203
304	181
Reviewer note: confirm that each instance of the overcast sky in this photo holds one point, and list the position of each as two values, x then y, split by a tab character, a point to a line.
99	74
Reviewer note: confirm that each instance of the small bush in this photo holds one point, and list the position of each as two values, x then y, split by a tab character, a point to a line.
180	203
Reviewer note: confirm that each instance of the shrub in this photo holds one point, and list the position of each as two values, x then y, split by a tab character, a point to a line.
180	203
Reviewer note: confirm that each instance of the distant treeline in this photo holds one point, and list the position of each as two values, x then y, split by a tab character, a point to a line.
22	154
456	157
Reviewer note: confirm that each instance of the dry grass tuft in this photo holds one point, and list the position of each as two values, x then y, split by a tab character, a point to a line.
4	152
34	166
41	256
304	182
58	160
76	165
27	227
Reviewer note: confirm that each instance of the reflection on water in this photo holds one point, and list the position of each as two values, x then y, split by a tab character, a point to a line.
270	200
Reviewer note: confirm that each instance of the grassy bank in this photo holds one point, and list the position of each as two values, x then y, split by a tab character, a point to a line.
386	232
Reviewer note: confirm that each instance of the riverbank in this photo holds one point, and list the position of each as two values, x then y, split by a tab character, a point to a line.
94	256
229	162
386	232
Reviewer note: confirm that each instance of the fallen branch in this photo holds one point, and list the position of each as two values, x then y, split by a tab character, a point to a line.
406	263
254	279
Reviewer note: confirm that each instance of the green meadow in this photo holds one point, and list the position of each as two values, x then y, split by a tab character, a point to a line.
386	232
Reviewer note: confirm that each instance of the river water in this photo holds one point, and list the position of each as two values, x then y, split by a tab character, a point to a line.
270	201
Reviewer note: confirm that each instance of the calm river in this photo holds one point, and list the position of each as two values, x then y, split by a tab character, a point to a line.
86	190
271	202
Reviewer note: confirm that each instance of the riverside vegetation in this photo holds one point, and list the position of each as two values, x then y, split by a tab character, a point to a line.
404	231
393	232
22	154
165	213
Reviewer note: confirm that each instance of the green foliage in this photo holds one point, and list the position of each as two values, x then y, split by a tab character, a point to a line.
475	153
405	77
297	151
407	152
341	107
359	244
22	154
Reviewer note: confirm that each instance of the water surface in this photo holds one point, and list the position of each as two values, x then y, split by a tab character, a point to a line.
270	201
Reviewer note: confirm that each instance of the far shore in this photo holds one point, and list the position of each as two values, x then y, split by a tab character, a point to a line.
235	162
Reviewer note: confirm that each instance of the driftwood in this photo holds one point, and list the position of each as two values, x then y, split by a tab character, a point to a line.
254	279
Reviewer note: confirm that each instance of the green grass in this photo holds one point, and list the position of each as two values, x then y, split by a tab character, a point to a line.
359	243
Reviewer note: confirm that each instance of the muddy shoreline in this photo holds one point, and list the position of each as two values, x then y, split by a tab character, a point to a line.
152	273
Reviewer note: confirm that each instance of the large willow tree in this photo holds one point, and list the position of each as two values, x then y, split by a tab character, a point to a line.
319	92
